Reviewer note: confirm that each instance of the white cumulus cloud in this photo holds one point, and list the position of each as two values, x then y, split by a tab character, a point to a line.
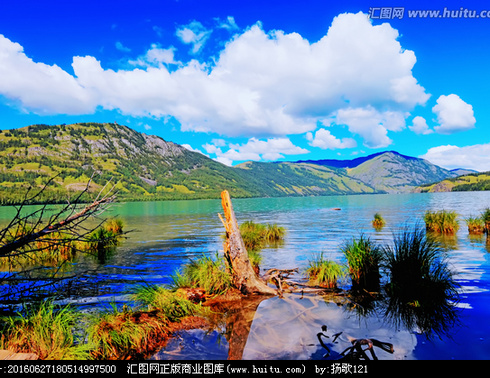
190	148
453	114
255	149
419	126
371	124
325	140
475	157
42	88
262	84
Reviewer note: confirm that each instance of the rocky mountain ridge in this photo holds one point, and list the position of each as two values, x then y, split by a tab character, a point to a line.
146	167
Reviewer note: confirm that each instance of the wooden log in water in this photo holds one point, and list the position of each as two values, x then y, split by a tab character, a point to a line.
244	277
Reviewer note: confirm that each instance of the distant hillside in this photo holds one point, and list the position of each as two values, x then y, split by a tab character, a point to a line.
293	179
390	171
395	173
470	182
349	163
463	171
146	167
143	166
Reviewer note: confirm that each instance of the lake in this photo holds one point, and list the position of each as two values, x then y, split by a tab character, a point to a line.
165	235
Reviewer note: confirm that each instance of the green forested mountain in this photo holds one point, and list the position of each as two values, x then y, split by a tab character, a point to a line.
302	179
146	167
143	166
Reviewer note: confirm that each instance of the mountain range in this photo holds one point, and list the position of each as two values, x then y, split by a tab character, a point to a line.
146	167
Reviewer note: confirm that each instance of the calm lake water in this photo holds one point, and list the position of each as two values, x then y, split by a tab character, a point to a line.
167	234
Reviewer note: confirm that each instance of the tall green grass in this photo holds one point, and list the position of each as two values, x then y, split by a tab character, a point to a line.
324	272
422	291
172	306
103	241
418	269
476	225
486	220
123	333
126	333
442	221
363	258
210	274
257	235
45	330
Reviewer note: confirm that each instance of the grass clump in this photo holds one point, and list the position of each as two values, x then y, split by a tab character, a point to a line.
363	258
256	235
417	269
274	233
115	225
255	258
421	289
476	225
210	274
103	241
171	305
324	272
126	333
486	220
442	221
44	330
378	221
123	334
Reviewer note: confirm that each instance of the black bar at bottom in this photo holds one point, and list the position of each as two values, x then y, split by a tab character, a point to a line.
224	368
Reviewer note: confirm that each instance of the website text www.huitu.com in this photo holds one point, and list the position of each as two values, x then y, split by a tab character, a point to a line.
389	13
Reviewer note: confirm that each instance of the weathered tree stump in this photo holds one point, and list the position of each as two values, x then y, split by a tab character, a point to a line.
244	277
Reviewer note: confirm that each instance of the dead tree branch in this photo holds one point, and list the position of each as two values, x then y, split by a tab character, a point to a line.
244	277
70	222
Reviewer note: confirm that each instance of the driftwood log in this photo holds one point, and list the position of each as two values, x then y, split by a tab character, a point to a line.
244	277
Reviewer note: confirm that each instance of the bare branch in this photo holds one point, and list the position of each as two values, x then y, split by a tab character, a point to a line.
75	219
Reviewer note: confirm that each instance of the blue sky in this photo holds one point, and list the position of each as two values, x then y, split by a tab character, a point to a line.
257	80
